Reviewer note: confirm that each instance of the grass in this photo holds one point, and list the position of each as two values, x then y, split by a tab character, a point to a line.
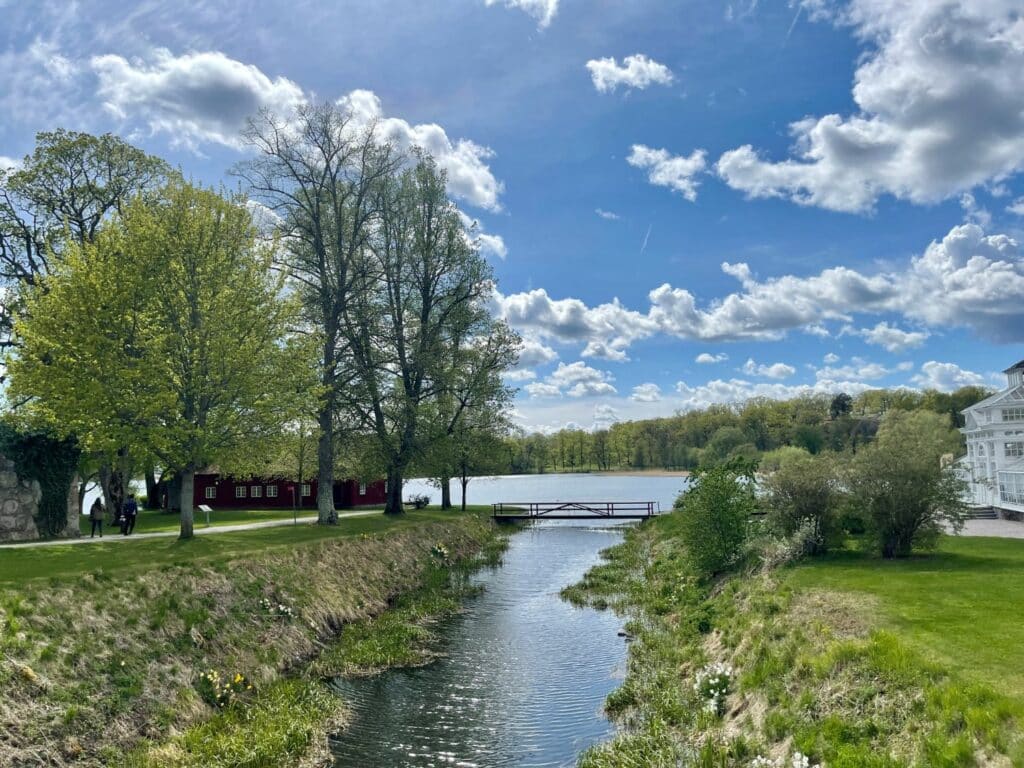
19	565
104	645
850	660
960	606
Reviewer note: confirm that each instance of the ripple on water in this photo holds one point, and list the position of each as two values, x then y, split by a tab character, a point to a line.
523	678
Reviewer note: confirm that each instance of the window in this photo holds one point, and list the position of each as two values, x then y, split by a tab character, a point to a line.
1014	450
239	491
256	491
362	489
211	492
271	491
306	489
1011	487
1013	414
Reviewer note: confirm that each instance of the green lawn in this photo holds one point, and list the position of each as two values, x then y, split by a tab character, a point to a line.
19	564
150	521
962	606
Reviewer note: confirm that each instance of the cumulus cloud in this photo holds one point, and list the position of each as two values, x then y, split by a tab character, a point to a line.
646	393
967	279
195	97
741	390
636	71
542	10
946	377
831	358
857	370
773	371
940	110
488	244
575	380
8	163
676	172
604	416
469	176
890	338
533	353
706	358
1016	207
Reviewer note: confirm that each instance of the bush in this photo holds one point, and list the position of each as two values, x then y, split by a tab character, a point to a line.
714	515
802	494
900	486
419	501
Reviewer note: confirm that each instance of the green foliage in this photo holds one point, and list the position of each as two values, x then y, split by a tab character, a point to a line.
53	462
803	491
714	516
900	486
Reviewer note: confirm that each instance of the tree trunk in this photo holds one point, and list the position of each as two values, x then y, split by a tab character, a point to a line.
465	481
174	493
73	529
446	492
152	490
393	504
112	484
187	477
326	514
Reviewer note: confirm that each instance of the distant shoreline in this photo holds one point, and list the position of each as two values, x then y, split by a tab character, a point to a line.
643	472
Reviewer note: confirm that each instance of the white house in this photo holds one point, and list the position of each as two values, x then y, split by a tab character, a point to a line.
994	464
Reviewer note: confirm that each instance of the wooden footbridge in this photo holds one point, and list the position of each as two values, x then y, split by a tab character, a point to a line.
576	510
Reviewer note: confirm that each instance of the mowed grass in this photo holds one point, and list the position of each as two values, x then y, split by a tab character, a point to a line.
21	564
960	606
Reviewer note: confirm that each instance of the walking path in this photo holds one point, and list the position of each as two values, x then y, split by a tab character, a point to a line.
115	537
1004	529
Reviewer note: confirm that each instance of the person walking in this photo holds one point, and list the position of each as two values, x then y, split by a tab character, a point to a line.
128	515
96	518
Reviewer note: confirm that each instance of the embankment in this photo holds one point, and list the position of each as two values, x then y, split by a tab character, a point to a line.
839	662
131	666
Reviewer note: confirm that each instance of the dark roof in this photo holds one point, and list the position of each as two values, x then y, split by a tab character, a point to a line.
1015	367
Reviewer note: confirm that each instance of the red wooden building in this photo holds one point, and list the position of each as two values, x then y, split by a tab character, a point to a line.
222	492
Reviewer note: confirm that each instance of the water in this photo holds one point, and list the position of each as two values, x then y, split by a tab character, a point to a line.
567	487
524	674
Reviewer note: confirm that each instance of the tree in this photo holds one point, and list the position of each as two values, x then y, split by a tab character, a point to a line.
318	172
714	515
899	483
162	339
841	405
804	491
417	321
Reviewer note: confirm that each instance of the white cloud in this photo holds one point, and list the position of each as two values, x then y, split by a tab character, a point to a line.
646	393
968	279
8	163
858	370
740	390
469	176
195	97
773	371
636	71
575	380
706	358
939	110
604	416
673	171
489	245
892	339
534	352
607	215
946	377
831	358
1017	206
542	10
518	375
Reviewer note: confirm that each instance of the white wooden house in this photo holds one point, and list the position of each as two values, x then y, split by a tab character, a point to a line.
994	463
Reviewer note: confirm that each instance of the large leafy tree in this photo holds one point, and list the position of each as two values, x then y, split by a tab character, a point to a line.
423	346
900	483
317	172
165	335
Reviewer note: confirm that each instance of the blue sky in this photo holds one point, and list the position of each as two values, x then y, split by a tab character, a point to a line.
803	195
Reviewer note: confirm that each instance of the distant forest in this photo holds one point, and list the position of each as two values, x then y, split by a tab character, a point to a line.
712	435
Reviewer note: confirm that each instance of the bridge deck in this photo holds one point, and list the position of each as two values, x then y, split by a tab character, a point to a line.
575	510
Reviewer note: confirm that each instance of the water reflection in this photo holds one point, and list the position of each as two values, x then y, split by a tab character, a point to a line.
523	678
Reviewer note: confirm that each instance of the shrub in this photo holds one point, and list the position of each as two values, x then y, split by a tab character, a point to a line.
899	485
802	494
714	515
419	501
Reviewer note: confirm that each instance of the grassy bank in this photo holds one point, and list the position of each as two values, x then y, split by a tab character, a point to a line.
102	664
847	660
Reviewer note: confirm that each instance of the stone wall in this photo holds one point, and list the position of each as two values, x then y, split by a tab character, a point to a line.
19	504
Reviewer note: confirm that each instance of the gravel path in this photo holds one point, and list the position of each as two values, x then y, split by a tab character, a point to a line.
115	537
1004	529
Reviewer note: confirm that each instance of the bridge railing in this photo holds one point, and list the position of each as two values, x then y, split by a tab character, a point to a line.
576	509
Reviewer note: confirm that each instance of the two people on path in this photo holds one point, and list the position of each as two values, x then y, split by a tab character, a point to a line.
96	518
129	512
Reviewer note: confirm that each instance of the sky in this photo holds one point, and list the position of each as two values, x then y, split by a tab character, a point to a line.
684	202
